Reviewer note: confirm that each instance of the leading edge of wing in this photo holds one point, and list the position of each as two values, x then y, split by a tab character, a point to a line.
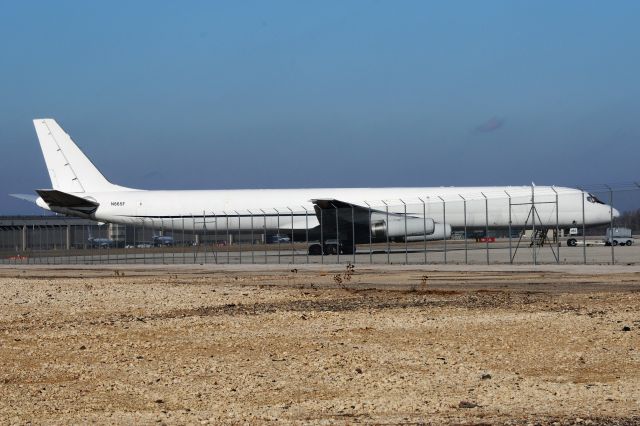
332	204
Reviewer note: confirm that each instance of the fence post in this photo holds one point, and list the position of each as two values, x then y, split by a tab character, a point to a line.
306	231
370	239
613	255
196	241
264	242
406	244
486	225
557	226
108	238
40	245
204	234
444	224
228	242
386	206
510	230
253	260
278	232
337	234
73	245
214	247
321	236
584	236
162	234
534	211
424	228
464	212
293	250
239	240
353	234
16	245
46	245
83	247
173	247
184	248
24	238
144	251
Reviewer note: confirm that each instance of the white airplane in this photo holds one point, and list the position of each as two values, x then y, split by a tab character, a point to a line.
348	215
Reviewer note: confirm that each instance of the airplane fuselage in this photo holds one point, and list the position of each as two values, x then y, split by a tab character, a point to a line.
475	207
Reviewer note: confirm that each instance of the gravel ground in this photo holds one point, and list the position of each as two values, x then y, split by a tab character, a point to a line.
319	345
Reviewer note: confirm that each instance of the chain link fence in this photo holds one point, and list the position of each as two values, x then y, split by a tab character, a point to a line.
458	228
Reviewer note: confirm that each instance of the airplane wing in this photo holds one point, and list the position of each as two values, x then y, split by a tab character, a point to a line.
350	221
338	218
355	223
345	208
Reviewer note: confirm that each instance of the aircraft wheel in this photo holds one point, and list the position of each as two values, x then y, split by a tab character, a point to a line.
330	249
629	242
315	250
615	242
571	242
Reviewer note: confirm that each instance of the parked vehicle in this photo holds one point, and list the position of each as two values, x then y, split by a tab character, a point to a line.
618	237
575	242
278	238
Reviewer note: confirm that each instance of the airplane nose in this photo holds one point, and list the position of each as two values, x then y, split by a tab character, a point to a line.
615	212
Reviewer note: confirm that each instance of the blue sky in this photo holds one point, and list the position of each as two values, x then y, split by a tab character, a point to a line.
184	95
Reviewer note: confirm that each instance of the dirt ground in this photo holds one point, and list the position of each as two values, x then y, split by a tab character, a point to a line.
319	345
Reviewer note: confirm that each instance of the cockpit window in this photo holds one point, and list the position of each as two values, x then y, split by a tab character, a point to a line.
593	199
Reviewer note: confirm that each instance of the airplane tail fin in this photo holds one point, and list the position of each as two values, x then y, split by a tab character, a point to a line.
69	169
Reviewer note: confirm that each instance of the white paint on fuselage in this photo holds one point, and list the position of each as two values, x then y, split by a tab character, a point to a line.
233	209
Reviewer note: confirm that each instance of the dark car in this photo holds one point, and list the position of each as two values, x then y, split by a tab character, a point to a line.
278	238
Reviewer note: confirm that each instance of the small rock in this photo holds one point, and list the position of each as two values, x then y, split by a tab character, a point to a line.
359	370
83	347
467	404
485	377
159	401
626	328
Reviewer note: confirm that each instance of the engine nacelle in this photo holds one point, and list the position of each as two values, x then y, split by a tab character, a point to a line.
380	229
442	232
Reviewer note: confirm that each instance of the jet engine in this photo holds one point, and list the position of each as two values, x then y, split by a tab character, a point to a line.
400	226
441	232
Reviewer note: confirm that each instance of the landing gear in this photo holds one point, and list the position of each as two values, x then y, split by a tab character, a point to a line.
331	247
315	249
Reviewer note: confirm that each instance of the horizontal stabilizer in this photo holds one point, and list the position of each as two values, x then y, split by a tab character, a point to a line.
25	197
55	198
